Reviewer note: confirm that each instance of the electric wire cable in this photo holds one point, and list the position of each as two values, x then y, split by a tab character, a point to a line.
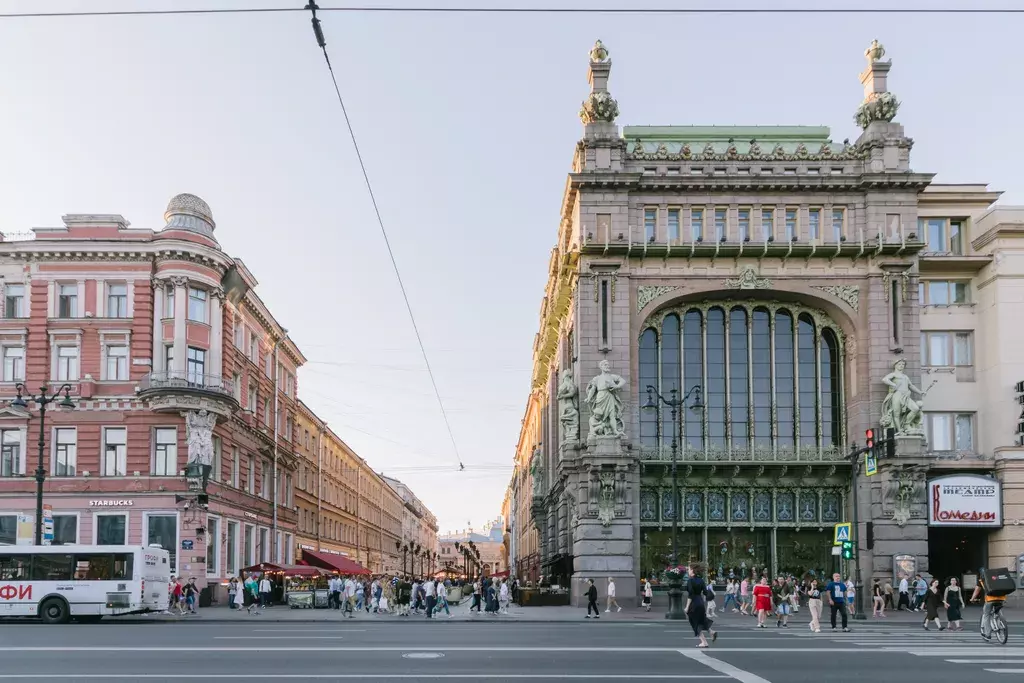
321	41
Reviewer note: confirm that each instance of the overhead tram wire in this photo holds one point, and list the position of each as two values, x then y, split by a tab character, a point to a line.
322	42
396	9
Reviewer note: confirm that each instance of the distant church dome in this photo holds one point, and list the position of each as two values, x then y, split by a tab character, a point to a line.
189	212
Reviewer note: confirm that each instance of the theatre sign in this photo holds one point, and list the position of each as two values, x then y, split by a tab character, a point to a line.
969	500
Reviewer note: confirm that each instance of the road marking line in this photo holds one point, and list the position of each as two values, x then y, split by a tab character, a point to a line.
985	661
279	638
700	656
309	630
420	676
953	652
256	650
1006	671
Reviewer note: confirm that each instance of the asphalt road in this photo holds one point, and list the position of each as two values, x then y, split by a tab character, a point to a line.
496	651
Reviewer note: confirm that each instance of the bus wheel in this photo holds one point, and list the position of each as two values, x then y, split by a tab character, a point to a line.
54	611
89	618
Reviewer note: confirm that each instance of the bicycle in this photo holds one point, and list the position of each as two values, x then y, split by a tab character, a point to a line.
997	624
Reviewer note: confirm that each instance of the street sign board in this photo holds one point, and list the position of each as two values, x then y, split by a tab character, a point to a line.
870	464
47	524
843	533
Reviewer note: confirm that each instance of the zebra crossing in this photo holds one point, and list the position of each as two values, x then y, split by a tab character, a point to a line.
962	648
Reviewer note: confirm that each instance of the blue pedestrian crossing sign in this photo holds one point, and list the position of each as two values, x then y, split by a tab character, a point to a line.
870	465
843	533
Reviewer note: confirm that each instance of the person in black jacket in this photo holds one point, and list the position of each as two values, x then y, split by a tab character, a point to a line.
592	600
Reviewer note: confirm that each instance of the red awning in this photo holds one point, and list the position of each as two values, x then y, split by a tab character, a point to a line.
334	563
303	571
500	575
263	567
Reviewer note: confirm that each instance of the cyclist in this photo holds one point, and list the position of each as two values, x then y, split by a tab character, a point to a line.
991	602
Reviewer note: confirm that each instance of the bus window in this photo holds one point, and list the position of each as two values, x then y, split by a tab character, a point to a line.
52	567
123	566
94	567
15	567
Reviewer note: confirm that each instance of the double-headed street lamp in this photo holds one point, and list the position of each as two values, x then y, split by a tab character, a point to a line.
42	400
676	405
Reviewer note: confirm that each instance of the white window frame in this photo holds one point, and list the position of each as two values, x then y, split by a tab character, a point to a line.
169	301
814	227
252	401
250	476
947	231
650	216
218	459
153	465
261	549
60	375
110	296
14	377
107	357
289	549
218	546
265	479
177	533
247	531
279	551
837	212
104	469
204	299
232	553
21	464
238	334
96	524
78	522
76	300
951	336
55	446
235	467
200	361
929	418
925	287
24	301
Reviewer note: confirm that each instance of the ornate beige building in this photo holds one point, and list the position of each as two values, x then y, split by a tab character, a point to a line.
797	292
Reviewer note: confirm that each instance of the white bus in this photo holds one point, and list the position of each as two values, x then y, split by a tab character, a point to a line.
57	583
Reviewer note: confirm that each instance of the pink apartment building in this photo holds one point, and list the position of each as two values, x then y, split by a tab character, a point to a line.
148	327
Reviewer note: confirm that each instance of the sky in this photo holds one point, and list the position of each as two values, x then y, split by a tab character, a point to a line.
467	125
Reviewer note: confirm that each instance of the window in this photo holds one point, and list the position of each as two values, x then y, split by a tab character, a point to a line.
169	359
169	299
231	559
250	474
266	411
264	545
117	301
277	547
163	530
790	225
250	403
67	301
768	223
196	366
289	549
946	349
254	348
673	225
814	224
721	225
249	549
212	546
215	469
197	304
111	528
117	362
65	529
944	292
650	224
950	431
14	363
236	386
239	335
838	224
743	224
10	452
65	452
288	428
265	480
67	363
943	235
288	491
8	536
52	567
14	301
165	451
234	467
115	452
697	225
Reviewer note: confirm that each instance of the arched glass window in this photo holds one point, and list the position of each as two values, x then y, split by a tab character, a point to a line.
770	378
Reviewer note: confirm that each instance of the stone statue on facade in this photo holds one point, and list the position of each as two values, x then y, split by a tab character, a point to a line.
605	402
606	501
875	51
537	474
901	410
598	53
199	426
568	407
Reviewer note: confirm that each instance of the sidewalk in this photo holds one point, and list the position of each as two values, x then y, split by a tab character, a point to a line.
518	614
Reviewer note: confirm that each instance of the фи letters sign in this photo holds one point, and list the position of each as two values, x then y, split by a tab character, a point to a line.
965	500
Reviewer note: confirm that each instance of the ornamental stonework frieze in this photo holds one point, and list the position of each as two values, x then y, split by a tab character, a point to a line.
748	279
848	294
645	294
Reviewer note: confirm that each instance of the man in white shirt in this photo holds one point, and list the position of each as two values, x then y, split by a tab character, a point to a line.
904	599
350	597
265	589
611	597
430	588
332	593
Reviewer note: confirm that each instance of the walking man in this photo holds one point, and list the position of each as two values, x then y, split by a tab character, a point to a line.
836	590
592	600
611	596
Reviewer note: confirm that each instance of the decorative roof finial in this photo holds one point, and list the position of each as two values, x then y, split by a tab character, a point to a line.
599	107
875	51
599	53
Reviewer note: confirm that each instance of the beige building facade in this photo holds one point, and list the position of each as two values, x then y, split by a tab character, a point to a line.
786	293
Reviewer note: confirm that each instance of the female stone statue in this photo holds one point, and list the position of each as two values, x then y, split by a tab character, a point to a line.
605	402
568	410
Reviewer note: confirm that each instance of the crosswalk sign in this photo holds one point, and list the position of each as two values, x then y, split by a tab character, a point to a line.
870	465
842	534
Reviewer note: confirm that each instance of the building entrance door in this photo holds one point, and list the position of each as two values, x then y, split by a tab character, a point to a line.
955	551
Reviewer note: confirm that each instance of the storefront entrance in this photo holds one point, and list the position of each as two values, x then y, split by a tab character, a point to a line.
805	553
955	551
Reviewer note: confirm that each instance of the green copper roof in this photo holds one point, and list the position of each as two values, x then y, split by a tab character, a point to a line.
710	142
806	134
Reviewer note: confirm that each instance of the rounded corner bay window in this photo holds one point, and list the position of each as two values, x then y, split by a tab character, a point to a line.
771	380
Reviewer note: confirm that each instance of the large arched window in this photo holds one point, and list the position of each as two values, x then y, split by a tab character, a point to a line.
770	377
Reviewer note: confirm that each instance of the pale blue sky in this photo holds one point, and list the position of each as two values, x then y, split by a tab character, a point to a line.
467	124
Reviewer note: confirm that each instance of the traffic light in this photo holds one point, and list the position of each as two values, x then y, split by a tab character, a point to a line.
890	442
869	439
1019	388
847	550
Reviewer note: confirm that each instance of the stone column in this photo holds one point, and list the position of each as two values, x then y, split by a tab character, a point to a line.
180	316
158	358
216	366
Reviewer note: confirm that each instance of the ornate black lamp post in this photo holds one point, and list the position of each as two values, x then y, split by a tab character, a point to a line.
42	400
675	404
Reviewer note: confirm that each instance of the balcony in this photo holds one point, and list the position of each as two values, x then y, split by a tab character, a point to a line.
713	455
177	391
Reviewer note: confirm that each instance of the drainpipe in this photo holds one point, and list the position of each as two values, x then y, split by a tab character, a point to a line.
275	375
319	481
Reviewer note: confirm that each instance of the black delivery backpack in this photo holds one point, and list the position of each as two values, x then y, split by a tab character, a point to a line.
998	582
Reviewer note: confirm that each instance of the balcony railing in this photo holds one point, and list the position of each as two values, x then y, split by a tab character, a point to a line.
756	454
187	381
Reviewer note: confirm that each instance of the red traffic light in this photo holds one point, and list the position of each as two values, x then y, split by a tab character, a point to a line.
869	438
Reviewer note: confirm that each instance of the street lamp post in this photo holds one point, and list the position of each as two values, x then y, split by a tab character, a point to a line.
675	404
42	400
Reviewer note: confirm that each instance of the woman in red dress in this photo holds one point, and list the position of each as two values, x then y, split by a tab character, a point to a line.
762	600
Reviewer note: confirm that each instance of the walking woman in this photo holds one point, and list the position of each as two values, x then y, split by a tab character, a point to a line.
696	607
762	601
814	605
648	595
932	600
953	600
878	598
